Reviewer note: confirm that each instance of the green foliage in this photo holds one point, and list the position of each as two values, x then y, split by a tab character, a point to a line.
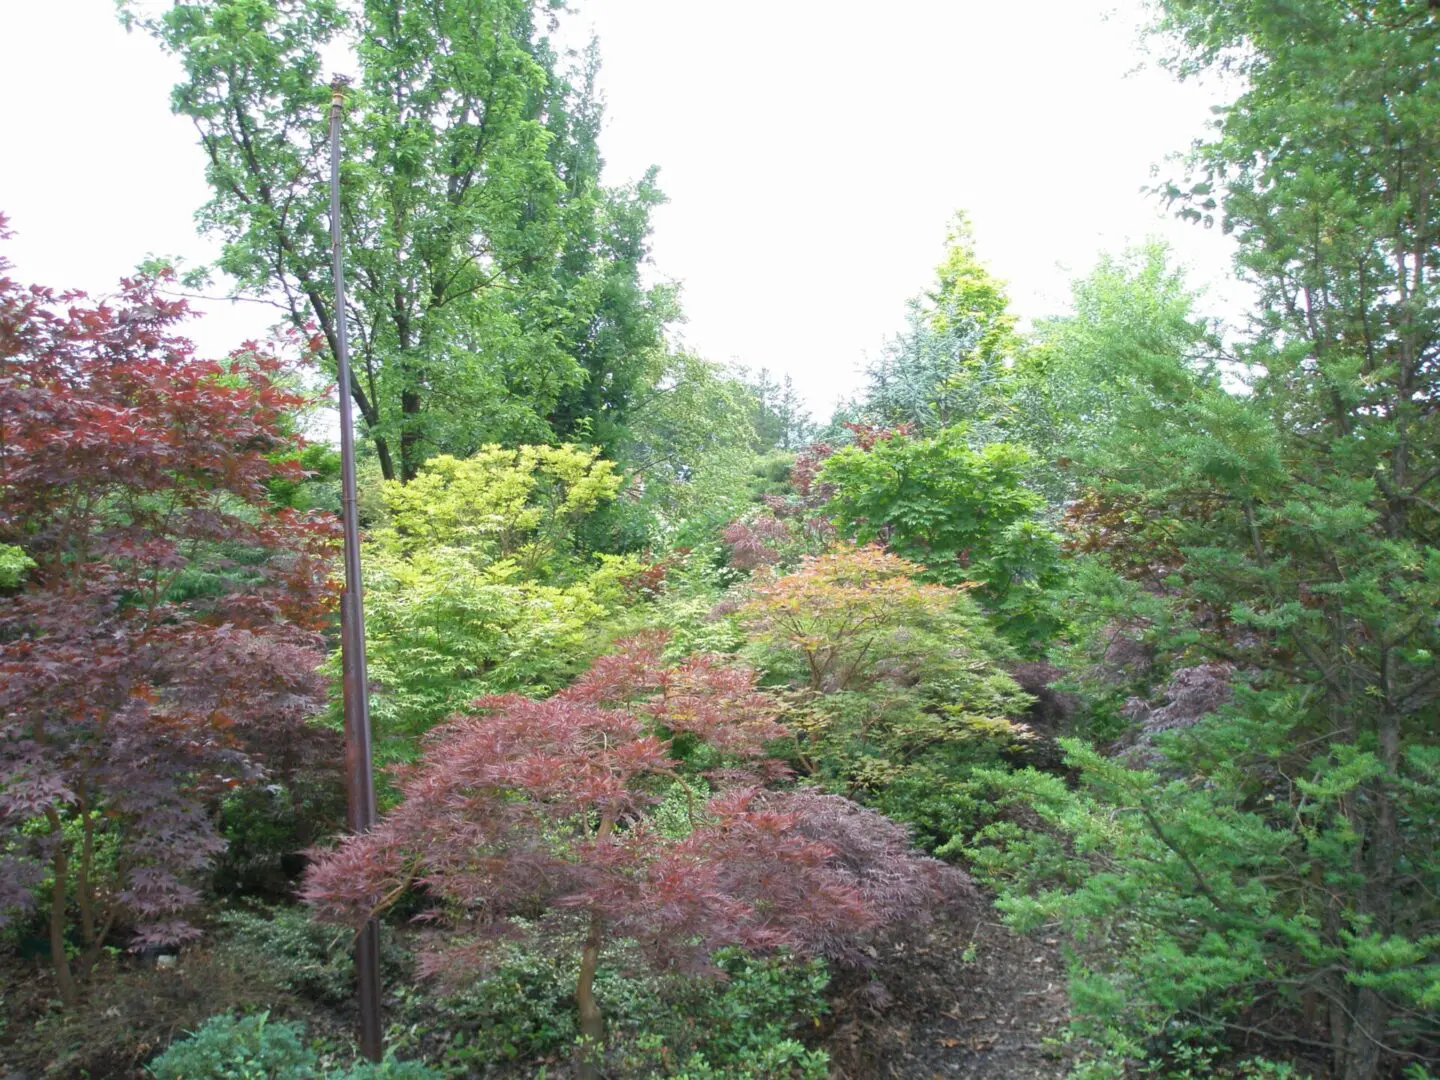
497	284
319	488
500	505
697	457
13	564
899	688
474	585
695	584
267	827
104	864
1189	900
780	418
1132	318
966	291
966	514
738	1028
248	1048
747	1021
258	1048
787	1058
388	1069
444	631
949	364
306	957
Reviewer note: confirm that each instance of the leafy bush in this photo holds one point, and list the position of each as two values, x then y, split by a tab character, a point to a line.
499	504
267	828
898	686
474	584
966	514
443	631
13	564
306	957
670	1025
388	1069
258	1048
247	1048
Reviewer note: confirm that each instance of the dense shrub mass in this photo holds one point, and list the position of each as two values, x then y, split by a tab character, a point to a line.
542	808
690	703
159	642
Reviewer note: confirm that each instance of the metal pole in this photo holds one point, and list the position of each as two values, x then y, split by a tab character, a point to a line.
360	780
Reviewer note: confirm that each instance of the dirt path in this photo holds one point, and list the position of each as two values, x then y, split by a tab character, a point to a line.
969	999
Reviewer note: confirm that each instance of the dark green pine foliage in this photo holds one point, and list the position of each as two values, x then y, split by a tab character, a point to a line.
1271	871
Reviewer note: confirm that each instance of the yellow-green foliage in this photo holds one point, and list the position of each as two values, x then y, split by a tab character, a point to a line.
13	564
518	504
473	586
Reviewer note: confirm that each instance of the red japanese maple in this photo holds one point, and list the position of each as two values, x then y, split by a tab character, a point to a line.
540	808
163	644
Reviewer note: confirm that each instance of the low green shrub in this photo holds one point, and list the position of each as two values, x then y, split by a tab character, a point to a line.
258	1048
740	1026
389	1069
787	1059
247	1048
306	957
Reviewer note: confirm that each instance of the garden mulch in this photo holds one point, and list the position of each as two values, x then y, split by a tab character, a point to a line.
967	998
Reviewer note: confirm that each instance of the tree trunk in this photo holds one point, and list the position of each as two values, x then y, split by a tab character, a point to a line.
592	1023
410	450
83	896
64	979
1361	1059
382	451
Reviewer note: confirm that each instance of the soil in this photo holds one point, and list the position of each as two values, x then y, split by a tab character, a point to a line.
967	999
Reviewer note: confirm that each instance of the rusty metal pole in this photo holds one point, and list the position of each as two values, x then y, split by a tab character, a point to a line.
359	773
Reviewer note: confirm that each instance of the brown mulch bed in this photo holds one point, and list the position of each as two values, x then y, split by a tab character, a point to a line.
968	999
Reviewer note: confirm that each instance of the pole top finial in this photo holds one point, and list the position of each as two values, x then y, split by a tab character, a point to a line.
338	85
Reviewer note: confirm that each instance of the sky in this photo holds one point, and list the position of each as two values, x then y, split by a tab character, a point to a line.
812	153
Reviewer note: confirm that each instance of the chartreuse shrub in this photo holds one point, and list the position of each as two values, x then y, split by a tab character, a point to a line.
897	686
519	504
474	584
259	1048
13	565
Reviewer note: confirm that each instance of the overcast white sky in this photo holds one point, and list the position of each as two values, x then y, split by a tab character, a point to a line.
812	150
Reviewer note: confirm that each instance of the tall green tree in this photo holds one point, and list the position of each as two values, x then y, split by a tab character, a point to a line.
1132	332
949	363
1326	169
1272	872
486	262
608	319
778	412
